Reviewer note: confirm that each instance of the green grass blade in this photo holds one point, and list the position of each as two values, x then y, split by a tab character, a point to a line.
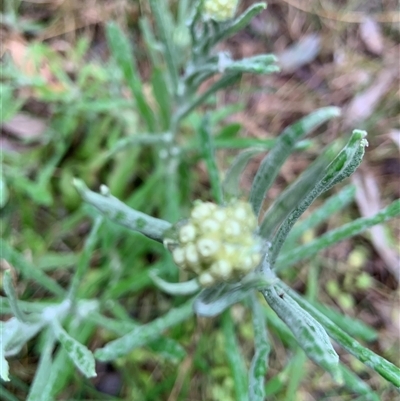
231	181
331	206
121	214
339	234
235	359
84	258
77	352
137	140
163	20
144	334
28	271
356	328
259	363
223	82
296	374
121	51
162	97
382	366
152	46
12	297
7	396
344	164
208	153
272	163
357	385
309	334
43	370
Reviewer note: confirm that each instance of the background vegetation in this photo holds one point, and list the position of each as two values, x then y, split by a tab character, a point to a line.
66	103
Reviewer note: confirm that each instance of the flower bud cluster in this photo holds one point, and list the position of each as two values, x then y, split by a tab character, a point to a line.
220	10
218	243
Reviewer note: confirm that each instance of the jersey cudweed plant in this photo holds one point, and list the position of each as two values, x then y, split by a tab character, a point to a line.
232	248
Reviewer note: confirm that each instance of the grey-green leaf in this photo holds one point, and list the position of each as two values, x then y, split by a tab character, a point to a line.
344	164
77	352
385	368
259	363
272	163
186	288
339	234
310	335
121	214
144	334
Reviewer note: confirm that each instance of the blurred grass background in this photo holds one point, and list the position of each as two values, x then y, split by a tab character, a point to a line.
64	104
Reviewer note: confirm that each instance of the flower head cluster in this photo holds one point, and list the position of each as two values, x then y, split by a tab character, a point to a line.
220	10
218	243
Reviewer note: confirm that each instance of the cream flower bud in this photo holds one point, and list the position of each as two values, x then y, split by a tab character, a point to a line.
206	279
191	255
202	210
207	247
221	268
178	254
220	10
187	233
210	225
220	215
232	228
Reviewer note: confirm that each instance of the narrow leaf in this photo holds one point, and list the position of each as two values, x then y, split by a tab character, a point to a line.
4	368
259	363
84	258
235	359
77	352
186	288
163	20
29	271
208	153
309	334
290	198
144	334
231	182
339	234
344	164
230	28
214	300
296	374
121	51
331	206
358	385
43	370
167	347
12	297
223	82
385	368
285	144
139	140
121	214
351	325
4	193
15	334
